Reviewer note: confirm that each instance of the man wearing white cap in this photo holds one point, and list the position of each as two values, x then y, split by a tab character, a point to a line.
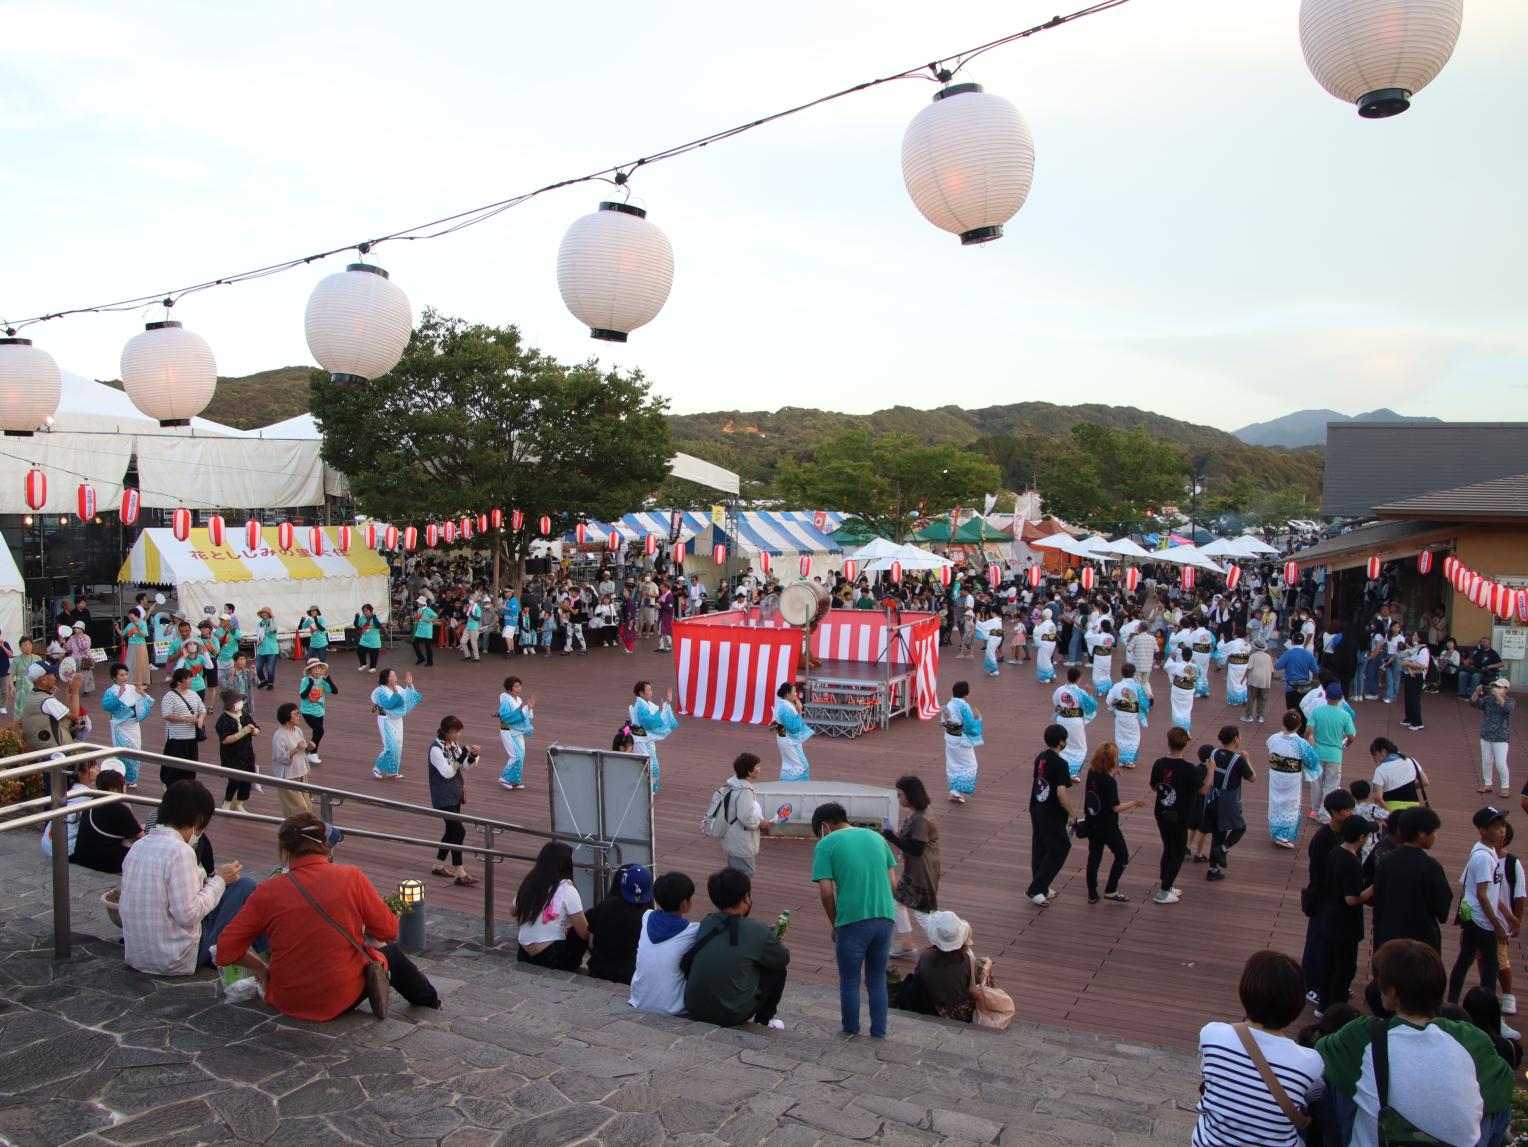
424	631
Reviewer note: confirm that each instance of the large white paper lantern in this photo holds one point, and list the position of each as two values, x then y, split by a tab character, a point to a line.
968	161
30	386
358	323
614	270
169	373
1377	54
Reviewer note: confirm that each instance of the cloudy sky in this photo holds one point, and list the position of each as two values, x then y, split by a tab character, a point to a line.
1210	235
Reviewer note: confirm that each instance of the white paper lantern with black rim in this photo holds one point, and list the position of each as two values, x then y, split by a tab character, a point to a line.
1377	54
169	373
358	323
614	270
30	386
968	161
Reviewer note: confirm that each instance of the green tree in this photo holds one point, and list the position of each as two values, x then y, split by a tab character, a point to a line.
1106	478
887	480
472	418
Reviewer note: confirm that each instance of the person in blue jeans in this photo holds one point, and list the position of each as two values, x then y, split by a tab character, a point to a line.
854	870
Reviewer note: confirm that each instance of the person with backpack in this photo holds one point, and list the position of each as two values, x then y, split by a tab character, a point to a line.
735	816
1223	800
1099	823
735	971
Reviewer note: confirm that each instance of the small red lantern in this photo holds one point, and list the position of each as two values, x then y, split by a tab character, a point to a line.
1424	562
1480	591
1291	572
343	543
448	533
215	531
1520	604
1132	579
946	575
615	541
180	524
1501	600
516	520
496	518
895	573
36	486
546	525
86	499
284	536
679	553
851	567
482	523
466	527
820	520
1450	564
132	501
1372	568
370	534
719	554
390	538
410	537
1188	577
1233	576
1088	577
580	533
650	544
252	534
806	565
316	541
431	534
764	562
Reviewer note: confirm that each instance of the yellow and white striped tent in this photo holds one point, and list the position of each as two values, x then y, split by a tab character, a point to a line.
289	581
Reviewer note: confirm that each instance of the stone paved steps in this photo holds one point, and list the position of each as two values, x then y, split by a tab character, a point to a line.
93	1054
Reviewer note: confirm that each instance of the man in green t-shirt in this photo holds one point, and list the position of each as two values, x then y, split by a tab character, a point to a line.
1331	730
853	868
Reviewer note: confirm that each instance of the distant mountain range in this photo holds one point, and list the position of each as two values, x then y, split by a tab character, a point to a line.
1308	427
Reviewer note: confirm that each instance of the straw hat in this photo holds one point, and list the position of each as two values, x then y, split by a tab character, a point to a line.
314	609
315	663
947	931
265	611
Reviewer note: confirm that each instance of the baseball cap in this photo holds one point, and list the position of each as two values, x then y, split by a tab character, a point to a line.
637	884
1334	692
1487	815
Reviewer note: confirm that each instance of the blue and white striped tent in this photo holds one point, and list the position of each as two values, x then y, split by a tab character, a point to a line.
782	532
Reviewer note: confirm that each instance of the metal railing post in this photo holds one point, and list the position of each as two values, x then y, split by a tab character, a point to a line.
326	810
488	866
60	830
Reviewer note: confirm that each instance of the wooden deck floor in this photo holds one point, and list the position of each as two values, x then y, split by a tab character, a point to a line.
1137	970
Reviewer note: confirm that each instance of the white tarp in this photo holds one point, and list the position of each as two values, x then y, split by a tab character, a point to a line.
67	460
209	473
13	600
703	472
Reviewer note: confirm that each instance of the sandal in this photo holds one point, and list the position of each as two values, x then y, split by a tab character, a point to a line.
441	870
1117	897
465	880
1484	790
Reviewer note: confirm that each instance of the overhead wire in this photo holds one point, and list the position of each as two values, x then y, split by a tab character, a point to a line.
620	173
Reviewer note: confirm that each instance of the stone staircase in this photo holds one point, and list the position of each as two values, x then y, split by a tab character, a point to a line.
94	1053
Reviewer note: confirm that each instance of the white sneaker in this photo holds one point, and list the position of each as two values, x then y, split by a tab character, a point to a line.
360	669
1051	894
1164	898
1039	899
315	759
1508	1033
777	1024
1509	1005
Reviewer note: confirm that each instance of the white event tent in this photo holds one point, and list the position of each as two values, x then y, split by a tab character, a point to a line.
13	602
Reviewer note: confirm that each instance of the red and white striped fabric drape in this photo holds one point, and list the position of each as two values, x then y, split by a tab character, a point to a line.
862	635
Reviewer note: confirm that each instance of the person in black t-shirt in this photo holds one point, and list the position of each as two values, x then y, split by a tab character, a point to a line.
1339	805
1223	809
236	747
1178	785
1101	808
1412	894
615	924
106	832
1049	814
1342	911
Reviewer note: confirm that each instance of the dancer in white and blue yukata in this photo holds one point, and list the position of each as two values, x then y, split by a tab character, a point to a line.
1045	649
1101	653
962	733
127	709
515	714
1202	646
1291	758
1185	685
1234	655
392	703
1075	707
790	733
1129	703
651	723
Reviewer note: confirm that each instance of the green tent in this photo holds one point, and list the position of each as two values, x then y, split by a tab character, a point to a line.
855	532
969	533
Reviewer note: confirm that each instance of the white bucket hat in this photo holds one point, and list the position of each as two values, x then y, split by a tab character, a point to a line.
947	931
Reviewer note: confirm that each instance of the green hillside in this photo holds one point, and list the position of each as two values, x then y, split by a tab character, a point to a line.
256	399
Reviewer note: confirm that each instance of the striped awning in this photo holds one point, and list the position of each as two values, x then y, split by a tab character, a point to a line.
777	533
157	558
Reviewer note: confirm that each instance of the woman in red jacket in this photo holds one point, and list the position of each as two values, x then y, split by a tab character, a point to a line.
314	972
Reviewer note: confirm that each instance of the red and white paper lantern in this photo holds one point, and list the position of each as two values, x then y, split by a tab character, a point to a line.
1450	564
994	574
431	534
36	489
946	575
650	544
851	567
1291	572
252	533
496	518
1371	567
806	565
1501	600
132	502
316	540
284	536
1425	562
719	554
1233	576
215	530
580	533
764	562
85	500
448	533
1088	577
1480	591
466	527
1188	577
370	534
390	538
343	536
482	523
679	554
1520	605
545	525
410	537
516	520
1132	579
614	541
180	524
1036	575
895	573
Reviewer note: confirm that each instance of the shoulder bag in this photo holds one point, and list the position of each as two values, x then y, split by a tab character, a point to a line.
378	987
994	1007
1296	1115
1393	1129
1421	788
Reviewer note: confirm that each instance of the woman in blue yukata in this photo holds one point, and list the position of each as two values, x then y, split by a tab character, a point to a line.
790	732
515	715
392	703
651	723
962	733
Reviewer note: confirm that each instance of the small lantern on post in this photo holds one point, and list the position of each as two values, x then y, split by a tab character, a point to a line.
411	919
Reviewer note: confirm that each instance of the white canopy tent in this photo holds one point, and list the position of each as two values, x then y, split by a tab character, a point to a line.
13	600
1188	556
1125	548
1245	546
873	549
911	558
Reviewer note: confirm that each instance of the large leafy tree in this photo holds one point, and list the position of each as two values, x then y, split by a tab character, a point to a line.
1108	478
472	418
887	480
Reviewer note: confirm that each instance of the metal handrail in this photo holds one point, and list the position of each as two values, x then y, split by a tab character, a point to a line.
56	762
